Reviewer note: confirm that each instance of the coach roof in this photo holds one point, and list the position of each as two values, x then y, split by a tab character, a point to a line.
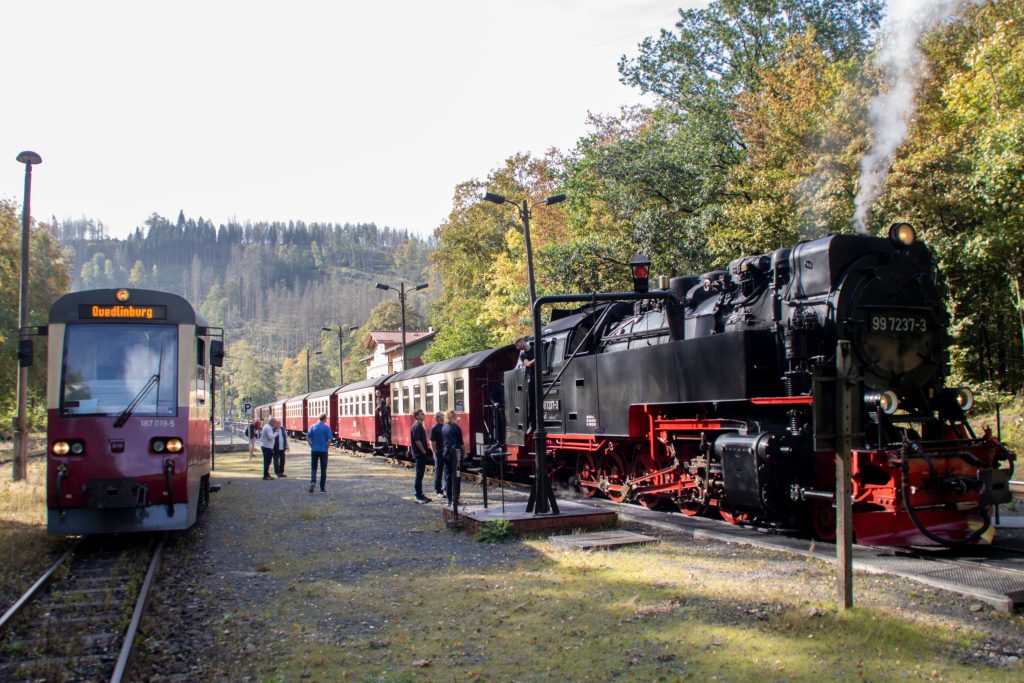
470	360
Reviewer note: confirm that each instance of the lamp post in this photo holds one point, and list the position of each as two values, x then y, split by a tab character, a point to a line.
315	353
20	461
402	292
341	349
542	500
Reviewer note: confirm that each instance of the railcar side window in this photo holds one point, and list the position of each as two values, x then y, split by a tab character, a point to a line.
108	367
405	400
460	394
415	398
394	399
442	395
429	398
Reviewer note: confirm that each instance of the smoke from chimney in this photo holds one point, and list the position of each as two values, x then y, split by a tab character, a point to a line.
902	64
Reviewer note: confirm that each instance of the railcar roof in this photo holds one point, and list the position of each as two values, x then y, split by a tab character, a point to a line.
366	383
296	398
470	360
323	392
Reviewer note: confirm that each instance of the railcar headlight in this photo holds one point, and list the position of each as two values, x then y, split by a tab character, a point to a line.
173	445
158	445
61	448
886	402
902	233
77	448
965	398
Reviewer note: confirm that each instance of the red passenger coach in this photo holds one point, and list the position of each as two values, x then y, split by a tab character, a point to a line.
359	428
295	415
319	403
128	405
463	384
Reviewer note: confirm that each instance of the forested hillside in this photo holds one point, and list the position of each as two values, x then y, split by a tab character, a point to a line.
272	286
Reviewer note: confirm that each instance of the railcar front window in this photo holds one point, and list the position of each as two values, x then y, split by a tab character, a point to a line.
107	366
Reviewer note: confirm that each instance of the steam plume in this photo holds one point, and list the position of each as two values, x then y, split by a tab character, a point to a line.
902	65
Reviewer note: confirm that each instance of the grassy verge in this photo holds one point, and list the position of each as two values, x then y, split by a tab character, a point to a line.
27	550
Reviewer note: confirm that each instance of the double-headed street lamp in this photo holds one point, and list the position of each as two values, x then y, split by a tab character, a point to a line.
402	292
20	459
315	353
341	349
542	500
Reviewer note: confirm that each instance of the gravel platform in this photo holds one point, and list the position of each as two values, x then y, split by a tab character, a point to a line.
241	590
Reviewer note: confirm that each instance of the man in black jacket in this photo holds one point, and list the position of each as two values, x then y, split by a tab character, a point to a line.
421	452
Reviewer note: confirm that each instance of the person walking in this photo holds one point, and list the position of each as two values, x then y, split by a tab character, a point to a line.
268	436
437	441
319	436
253	432
280	447
453	449
421	453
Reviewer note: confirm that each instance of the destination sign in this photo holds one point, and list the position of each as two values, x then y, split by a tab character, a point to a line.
122	312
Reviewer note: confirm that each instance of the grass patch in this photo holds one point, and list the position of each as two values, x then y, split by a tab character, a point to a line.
495	531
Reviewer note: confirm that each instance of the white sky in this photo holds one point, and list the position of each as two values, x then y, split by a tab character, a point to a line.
320	111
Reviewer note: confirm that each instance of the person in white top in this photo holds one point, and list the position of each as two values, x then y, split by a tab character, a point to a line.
268	438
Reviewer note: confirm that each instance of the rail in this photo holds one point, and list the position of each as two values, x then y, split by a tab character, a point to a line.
91	594
1017	489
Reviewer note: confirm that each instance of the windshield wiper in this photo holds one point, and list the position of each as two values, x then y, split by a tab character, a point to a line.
127	412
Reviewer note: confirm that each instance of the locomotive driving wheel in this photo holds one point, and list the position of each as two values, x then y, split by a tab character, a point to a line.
823	520
615	474
588	479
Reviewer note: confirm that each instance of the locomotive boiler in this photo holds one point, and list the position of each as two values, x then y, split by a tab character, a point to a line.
721	398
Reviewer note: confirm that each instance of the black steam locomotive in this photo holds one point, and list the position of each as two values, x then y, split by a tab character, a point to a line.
722	398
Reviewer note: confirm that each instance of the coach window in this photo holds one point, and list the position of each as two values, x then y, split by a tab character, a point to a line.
405	401
416	397
442	395
460	394
429	398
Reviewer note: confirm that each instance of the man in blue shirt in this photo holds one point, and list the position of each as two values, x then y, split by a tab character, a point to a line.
319	436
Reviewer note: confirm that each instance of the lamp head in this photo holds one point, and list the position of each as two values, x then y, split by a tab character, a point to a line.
326	329
353	328
381	285
641	267
30	158
422	285
554	199
491	197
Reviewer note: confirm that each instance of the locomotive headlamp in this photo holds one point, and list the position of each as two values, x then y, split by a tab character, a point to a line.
965	399
61	448
77	448
641	266
902	233
173	445
158	445
884	402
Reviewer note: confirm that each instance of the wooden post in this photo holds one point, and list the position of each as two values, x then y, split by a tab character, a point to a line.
846	384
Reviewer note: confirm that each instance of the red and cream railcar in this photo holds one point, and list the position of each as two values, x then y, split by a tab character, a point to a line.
322	403
262	413
128	407
463	384
359	426
295	415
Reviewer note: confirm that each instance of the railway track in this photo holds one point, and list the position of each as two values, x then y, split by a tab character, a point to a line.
78	621
1017	489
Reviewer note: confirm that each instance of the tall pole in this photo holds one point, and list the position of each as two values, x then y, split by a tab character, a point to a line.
341	355
401	300
307	369
19	463
845	404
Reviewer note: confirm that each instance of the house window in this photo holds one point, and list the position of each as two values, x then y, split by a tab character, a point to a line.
442	395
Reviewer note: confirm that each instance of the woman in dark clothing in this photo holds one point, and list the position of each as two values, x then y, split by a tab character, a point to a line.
451	435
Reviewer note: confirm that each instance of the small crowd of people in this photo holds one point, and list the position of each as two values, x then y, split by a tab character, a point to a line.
443	448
